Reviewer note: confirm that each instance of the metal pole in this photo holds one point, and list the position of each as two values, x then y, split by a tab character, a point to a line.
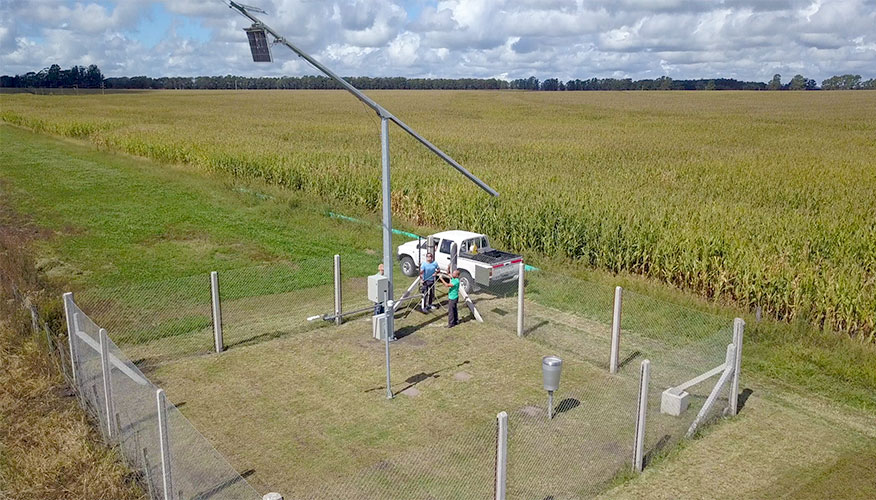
217	312
520	299
550	407
501	454
164	442
71	331
615	330
738	330
107	382
639	450
388	309
338	318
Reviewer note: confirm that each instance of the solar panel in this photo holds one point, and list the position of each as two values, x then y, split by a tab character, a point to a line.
258	44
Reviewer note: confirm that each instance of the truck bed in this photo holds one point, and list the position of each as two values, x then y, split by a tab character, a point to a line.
490	257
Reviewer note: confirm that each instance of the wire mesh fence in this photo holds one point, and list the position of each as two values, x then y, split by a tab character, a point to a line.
573	448
173	459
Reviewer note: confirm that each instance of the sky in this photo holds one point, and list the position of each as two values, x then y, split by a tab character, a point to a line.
566	39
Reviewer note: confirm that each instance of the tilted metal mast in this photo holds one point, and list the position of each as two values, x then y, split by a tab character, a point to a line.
385	118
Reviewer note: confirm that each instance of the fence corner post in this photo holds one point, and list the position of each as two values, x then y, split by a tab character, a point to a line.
338	302
738	330
107	382
641	416
520	291
71	332
217	312
615	330
164	443
501	454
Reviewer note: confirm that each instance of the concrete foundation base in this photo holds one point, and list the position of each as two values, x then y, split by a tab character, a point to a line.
674	404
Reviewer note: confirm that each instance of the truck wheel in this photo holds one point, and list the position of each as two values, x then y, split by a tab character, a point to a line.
465	281
408	267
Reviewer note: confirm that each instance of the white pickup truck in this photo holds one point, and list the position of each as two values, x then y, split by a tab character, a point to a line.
478	263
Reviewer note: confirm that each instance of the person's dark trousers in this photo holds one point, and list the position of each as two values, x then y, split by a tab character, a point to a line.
452	316
428	293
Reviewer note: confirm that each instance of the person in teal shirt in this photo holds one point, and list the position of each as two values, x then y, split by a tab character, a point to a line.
453	299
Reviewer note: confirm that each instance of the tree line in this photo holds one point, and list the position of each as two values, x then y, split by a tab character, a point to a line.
91	77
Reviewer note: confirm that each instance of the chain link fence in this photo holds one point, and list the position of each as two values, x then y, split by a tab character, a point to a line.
285	314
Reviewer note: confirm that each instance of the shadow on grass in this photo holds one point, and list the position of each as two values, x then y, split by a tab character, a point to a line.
420	377
214	491
656	450
746	393
627	360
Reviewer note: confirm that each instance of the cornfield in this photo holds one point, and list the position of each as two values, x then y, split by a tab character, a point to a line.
755	199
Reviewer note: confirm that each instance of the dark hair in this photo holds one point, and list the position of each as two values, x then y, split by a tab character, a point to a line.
429	254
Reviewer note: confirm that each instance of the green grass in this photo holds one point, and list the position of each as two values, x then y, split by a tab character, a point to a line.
750	198
118	222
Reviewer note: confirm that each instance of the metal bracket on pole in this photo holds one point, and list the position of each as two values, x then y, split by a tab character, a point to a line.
217	312
164	442
615	330
338	318
520	299
501	454
107	382
738	330
71	329
641	416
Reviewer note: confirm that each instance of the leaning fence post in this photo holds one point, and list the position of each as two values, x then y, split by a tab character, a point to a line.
337	289
738	329
164	442
217	312
520	299
34	315
71	332
107	382
641	415
501	454
615	330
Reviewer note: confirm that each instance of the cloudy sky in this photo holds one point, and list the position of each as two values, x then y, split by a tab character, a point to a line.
744	39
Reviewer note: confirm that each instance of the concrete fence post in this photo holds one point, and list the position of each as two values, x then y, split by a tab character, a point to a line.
501	454
107	382
164	443
615	330
520	292
338	297
641	416
738	330
71	332
217	312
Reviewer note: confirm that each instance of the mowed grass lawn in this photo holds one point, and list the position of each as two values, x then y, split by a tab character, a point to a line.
306	411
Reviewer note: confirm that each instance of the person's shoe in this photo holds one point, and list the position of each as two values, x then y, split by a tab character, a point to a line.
393	339
433	307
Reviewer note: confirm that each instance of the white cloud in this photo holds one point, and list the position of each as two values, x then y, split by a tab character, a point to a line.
747	39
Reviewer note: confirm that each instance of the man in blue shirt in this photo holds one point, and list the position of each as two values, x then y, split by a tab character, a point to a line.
428	272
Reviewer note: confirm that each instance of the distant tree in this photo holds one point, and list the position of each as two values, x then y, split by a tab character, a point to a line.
710	85
811	85
550	84
797	83
869	84
53	76
842	82
93	77
775	83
